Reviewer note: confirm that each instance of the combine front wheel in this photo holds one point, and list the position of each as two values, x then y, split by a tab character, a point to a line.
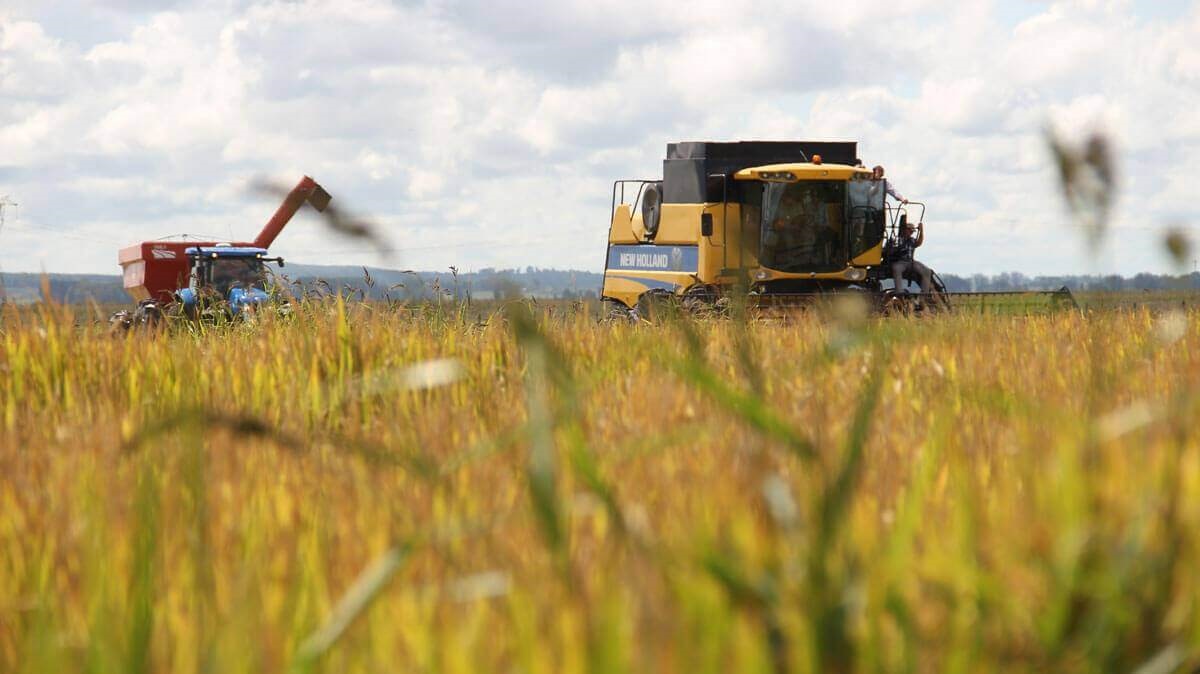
618	313
654	305
702	300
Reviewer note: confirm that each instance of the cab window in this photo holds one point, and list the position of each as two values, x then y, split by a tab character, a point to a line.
803	226
865	214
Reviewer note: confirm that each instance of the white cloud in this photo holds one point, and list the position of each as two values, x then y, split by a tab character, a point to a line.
489	133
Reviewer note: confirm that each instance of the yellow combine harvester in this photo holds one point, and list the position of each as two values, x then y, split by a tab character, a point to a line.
783	222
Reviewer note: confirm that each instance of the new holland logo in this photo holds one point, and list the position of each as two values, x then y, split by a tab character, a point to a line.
162	254
672	261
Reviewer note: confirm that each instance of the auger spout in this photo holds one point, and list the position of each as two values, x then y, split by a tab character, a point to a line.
306	190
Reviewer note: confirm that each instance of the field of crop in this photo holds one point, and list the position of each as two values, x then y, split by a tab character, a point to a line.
363	488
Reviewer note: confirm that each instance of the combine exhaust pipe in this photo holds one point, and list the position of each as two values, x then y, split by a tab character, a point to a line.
306	190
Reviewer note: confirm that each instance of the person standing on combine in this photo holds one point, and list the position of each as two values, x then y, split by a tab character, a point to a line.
891	190
901	257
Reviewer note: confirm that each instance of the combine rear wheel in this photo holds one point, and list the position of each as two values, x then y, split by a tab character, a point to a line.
940	300
907	304
900	304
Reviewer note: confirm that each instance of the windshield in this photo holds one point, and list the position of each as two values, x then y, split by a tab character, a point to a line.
240	272
804	226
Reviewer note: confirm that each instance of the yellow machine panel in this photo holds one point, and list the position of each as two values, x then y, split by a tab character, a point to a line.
680	224
807	171
620	230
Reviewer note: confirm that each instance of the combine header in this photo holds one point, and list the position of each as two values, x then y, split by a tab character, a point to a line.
184	274
783	222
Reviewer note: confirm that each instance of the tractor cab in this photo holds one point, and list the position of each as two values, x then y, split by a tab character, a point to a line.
235	275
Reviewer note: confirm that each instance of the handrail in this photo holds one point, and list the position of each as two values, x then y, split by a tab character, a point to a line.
894	213
612	206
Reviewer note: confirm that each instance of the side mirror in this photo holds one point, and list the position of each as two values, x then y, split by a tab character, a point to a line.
281	264
706	224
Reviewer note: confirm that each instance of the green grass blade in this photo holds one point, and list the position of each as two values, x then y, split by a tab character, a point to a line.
366	588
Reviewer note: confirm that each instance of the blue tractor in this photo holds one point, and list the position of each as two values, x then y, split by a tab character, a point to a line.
226	280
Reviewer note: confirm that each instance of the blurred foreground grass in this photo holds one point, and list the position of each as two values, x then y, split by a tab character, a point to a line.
364	489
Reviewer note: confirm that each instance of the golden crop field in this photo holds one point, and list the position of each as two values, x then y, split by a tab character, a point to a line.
363	488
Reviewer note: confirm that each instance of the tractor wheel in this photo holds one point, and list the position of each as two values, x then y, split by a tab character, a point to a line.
148	314
284	309
120	322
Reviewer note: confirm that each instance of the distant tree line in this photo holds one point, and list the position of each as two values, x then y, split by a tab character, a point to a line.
1110	282
376	284
492	283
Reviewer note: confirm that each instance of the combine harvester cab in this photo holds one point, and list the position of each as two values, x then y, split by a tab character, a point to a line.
780	222
165	274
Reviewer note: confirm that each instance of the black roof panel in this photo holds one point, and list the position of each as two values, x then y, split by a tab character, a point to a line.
760	152
689	165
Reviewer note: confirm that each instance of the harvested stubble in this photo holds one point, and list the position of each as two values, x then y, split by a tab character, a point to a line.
971	493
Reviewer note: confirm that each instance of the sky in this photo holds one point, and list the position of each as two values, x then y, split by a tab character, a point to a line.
487	133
